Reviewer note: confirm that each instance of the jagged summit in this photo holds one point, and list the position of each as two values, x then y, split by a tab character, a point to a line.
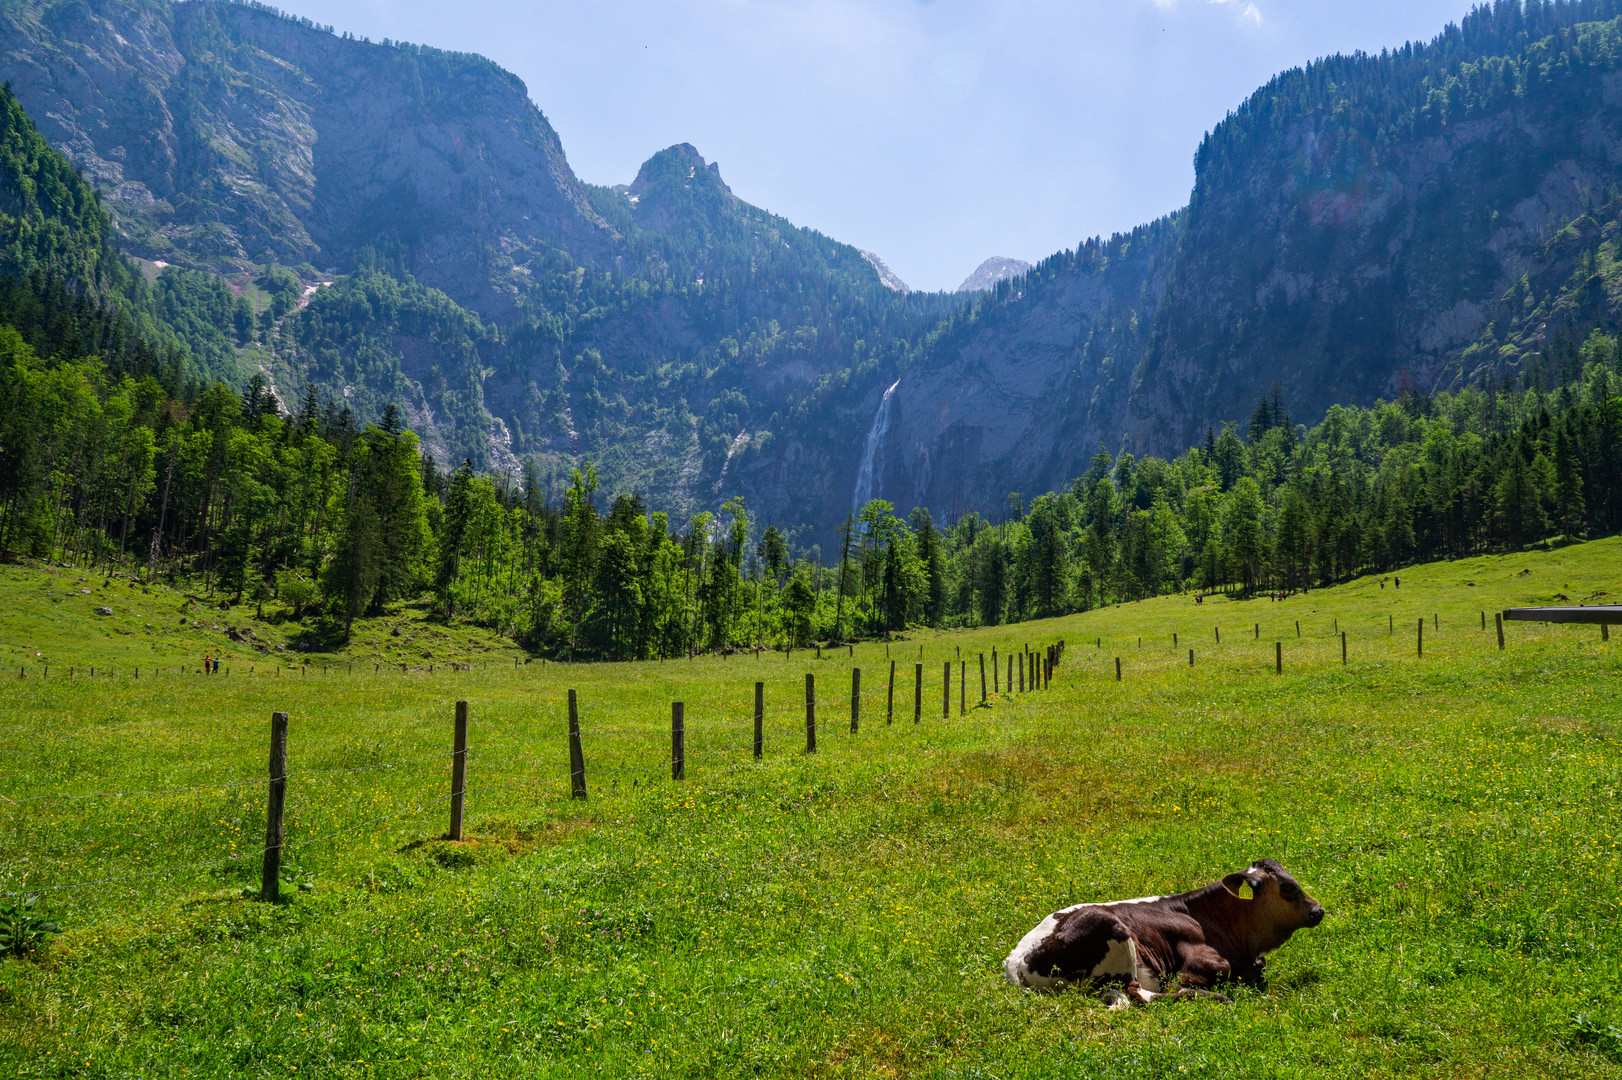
681	164
995	269
887	277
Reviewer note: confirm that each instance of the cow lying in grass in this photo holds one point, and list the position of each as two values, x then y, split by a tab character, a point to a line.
1197	939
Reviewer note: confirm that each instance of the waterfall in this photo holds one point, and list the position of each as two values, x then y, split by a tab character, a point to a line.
870	451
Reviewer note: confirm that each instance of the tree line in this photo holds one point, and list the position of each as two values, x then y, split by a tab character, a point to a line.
322	519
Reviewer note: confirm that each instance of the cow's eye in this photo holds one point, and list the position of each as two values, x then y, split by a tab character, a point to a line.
1290	893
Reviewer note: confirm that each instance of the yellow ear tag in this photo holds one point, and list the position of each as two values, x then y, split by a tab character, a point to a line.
1246	892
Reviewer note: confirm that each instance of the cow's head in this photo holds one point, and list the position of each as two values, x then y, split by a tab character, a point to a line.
1276	904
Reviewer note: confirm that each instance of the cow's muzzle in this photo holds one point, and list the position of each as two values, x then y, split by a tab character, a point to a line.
1316	915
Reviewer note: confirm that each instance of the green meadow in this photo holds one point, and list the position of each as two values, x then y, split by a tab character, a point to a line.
838	914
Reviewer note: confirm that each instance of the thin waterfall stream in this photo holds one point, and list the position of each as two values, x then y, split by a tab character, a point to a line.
870	450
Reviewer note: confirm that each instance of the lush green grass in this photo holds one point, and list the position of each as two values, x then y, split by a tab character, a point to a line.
837	914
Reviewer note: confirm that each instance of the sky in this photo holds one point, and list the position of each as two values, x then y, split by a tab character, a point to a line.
934	133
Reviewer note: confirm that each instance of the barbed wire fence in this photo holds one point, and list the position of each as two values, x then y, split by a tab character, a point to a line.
735	736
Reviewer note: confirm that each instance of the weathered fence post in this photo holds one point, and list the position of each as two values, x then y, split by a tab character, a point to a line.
1218	630
1117	669
946	692
983	677
996	671
271	873
810	713
1174	639
458	771
1343	648
678	741
889	698
917	693
1298	628
1498	617
1022	673
1483	622
577	758
1258	631
760	718
1278	658
1010	679
1191	658
1421	636
963	688
855	698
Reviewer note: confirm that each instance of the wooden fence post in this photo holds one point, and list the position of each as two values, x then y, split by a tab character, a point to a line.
1022	673
678	741
1278	658
946	692
889	695
810	713
1010	679
1258	631
1191	658
917	693
963	688
760	718
1117	669
1483	622
271	873
1498	617
577	758
458	771
1298	628
855	698
1218	631
1421	636
983	677
1343	648
996	672
1174	639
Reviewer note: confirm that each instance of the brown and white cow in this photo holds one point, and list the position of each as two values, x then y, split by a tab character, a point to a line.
1199	939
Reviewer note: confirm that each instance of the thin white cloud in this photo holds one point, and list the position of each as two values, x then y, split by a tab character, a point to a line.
1247	11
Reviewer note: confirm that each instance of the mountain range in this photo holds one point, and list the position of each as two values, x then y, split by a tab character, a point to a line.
380	222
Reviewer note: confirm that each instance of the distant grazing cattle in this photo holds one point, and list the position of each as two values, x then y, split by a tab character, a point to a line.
1137	948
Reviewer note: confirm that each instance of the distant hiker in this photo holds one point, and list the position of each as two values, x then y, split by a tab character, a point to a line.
207	670
1397	582
216	665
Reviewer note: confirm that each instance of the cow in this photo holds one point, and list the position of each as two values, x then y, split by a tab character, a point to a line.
1136	949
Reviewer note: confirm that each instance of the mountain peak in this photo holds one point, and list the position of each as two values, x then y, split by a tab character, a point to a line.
887	277
995	269
680	166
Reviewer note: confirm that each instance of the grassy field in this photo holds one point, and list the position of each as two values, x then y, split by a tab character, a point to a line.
837	914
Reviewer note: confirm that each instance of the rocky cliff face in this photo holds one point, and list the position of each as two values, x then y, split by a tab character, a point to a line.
1350	266
224	135
1020	395
1360	228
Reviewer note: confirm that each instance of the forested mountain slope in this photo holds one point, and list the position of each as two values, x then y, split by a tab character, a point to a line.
1360	227
391	224
662	329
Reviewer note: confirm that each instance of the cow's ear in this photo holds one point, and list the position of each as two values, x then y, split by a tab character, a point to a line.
1240	885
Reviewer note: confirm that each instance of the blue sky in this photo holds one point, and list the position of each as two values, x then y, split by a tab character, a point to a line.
935	133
